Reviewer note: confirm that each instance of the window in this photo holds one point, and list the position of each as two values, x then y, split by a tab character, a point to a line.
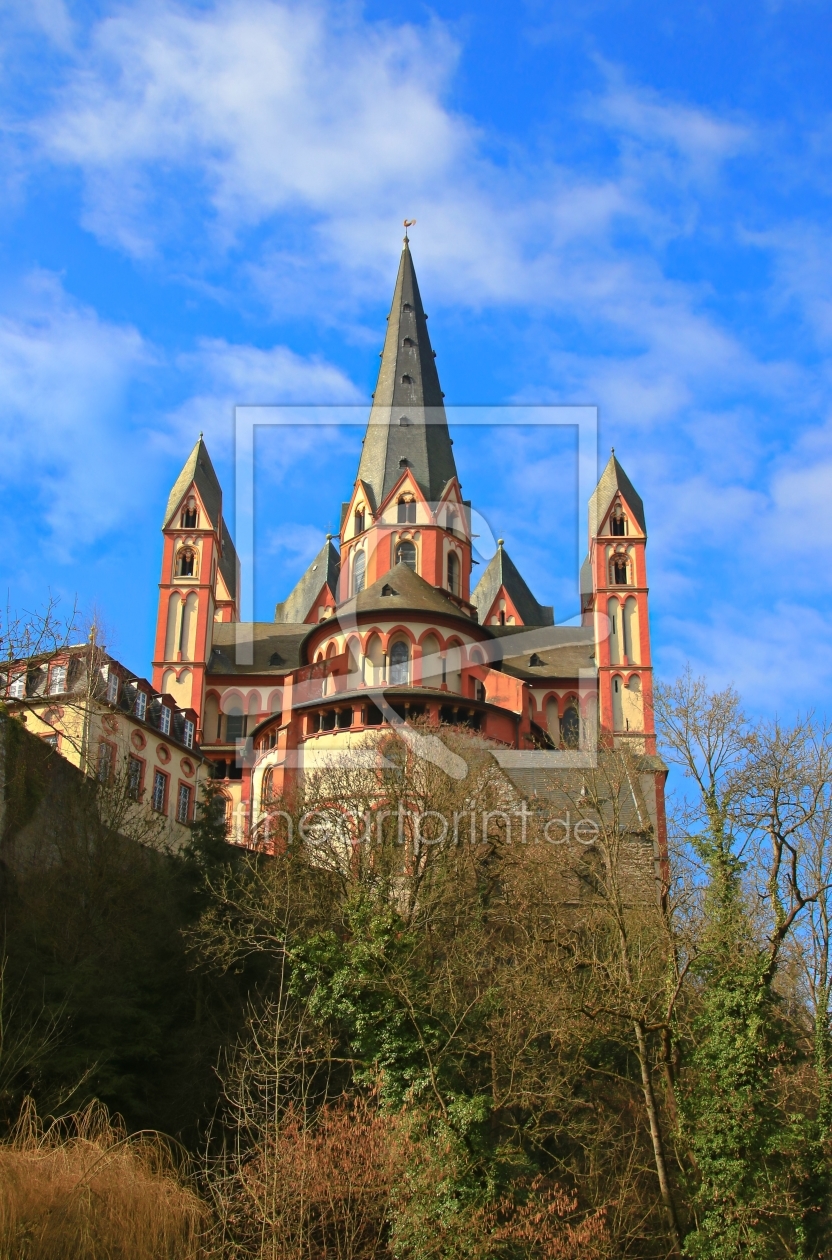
406	554
399	663
407	380
140	706
189	515
618	523
359	520
570	727
51	741
134	777
450	522
534	659
188	734
160	789
407	510
183	804
164	720
17	687
408	341
619	570
105	762
185	565
112	688
235	727
57	680
359	569
453	572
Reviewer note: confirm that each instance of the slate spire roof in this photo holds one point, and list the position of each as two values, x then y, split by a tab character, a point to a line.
502	571
323	569
614	480
407	420
199	470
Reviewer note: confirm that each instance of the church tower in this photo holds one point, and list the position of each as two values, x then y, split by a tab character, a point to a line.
198	585
407	506
614	597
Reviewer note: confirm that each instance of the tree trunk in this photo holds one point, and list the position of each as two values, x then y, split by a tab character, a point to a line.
655	1134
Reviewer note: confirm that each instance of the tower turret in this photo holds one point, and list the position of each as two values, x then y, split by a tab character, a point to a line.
199	581
615	602
407	504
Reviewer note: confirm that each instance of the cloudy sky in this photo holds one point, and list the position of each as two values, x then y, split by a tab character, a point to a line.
622	204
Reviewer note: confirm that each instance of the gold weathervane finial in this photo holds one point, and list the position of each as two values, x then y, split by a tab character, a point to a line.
408	223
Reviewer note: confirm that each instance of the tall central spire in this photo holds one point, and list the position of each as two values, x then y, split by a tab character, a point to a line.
408	426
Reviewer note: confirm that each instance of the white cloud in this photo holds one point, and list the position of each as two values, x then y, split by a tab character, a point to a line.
65	375
276	105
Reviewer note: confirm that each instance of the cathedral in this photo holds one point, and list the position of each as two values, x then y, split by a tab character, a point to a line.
388	626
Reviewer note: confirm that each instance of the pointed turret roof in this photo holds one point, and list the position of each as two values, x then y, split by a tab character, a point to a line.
614	481
323	569
199	470
407	420
502	571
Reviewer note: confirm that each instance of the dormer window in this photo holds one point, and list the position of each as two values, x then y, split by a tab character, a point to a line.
57	680
407	380
407	510
186	562
408	341
359	520
453	572
534	660
406	554
618	521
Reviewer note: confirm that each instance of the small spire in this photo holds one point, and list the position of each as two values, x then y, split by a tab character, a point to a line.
200	435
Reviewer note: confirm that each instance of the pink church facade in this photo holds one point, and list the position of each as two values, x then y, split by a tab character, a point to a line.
388	626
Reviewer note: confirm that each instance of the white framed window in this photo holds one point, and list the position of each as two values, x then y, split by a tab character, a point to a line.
17	687
164	720
112	687
183	804
140	707
134	777
189	734
57	680
160	786
105	761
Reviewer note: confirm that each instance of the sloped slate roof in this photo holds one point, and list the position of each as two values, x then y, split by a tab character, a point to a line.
229	564
409	593
198	469
614	481
277	649
407	420
323	569
501	571
562	650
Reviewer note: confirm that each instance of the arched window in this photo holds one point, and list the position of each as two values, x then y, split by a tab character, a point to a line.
268	789
359	569
453	572
359	520
570	727
399	662
186	562
406	554
407	510
618	522
619	570
407	380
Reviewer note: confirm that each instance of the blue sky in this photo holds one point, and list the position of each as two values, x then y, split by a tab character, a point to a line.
623	204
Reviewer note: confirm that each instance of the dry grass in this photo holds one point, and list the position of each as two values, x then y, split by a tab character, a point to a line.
84	1190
